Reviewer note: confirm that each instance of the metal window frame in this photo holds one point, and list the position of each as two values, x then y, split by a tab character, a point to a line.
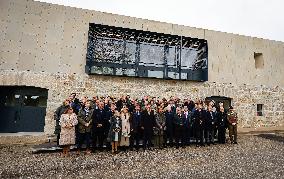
139	37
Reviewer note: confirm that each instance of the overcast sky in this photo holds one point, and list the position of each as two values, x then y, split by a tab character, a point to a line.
257	18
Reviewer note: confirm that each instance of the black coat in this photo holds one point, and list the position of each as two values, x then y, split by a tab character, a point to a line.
99	117
210	120
135	122
179	120
199	118
57	114
169	120
188	120
148	121
221	120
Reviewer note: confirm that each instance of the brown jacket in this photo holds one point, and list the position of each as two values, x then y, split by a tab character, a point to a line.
232	117
83	119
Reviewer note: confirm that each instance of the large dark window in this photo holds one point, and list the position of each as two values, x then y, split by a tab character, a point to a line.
128	52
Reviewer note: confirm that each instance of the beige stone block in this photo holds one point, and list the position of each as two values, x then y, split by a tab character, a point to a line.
14	31
26	61
31	29
28	43
52	49
5	4
16	12
9	60
10	46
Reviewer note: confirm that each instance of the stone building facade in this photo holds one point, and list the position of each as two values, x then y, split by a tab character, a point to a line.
45	45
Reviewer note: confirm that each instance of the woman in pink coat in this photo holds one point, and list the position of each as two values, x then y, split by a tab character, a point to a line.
68	120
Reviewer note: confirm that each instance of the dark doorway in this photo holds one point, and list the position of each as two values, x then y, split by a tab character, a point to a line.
22	109
225	100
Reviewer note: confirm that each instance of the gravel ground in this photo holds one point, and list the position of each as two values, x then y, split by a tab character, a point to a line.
259	156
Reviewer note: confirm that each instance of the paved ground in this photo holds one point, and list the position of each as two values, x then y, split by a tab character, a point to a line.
259	156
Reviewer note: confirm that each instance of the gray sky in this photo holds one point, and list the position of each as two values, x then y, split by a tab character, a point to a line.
257	18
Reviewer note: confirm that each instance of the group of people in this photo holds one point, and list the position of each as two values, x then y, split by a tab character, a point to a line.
125	122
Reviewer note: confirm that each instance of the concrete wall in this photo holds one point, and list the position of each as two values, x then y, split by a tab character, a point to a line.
38	36
44	45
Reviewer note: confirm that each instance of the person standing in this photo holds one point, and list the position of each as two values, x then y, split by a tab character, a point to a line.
147	124
210	125
135	128
169	126
199	122
125	129
57	114
232	120
68	120
187	125
99	118
179	121
85	126
222	125
115	131
160	121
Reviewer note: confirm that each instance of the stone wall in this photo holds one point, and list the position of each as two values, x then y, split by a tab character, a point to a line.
45	45
244	97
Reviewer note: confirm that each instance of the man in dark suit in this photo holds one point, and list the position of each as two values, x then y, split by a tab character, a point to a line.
179	121
187	125
199	120
210	123
169	134
135	125
222	124
147	124
99	122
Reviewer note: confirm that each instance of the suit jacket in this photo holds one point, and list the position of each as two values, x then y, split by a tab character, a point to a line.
179	120
99	117
199	118
188	120
221	119
169	120
148	121
210	120
136	121
83	118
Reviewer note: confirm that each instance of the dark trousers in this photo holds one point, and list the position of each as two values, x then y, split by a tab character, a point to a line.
147	139
215	131
179	136
77	135
209	135
135	137
98	137
187	135
57	139
169	136
106	133
199	136
233	133
221	135
84	137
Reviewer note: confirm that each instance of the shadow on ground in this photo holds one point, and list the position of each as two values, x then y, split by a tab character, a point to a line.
274	137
